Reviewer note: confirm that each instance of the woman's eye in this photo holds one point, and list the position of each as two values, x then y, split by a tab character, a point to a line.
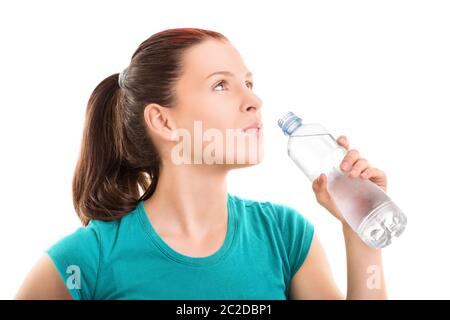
220	84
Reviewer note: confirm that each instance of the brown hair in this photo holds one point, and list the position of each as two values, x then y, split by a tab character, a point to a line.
117	159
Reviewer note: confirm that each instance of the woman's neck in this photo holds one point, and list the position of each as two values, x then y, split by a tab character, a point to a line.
189	200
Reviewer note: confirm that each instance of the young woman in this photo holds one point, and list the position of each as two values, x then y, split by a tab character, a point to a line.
156	227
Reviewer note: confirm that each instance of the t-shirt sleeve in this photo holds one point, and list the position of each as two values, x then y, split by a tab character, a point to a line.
297	233
77	258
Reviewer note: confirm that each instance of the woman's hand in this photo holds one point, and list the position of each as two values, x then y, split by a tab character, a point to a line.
357	168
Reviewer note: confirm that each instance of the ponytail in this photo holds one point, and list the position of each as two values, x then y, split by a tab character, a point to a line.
105	186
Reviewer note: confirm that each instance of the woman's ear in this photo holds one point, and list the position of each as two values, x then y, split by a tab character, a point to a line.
159	122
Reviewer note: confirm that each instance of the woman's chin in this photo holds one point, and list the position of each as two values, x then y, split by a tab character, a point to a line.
247	163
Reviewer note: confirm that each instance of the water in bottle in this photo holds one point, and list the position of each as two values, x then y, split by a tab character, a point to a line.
365	206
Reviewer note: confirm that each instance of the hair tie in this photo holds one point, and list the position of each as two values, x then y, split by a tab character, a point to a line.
122	77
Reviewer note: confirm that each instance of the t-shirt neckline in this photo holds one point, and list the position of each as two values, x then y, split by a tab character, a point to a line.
168	251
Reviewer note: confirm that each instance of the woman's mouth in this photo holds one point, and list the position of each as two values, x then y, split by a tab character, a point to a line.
253	129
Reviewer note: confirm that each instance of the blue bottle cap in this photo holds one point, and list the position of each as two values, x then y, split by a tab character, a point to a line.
289	122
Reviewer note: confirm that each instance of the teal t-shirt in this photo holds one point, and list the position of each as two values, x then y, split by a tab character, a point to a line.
265	244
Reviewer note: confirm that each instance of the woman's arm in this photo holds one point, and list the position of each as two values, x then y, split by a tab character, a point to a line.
43	282
365	276
365	279
314	279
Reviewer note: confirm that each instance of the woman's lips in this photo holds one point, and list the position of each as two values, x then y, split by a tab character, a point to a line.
253	129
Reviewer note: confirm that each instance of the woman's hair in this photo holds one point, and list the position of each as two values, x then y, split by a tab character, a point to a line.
117	160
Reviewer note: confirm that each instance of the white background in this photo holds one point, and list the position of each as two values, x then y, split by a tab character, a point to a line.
376	71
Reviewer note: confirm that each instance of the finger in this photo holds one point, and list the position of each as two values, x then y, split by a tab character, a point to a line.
360	165
343	141
371	172
349	160
366	174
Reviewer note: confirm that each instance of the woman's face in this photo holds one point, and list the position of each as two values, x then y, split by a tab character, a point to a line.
215	105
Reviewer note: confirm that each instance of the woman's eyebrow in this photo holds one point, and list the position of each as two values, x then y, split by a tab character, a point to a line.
227	73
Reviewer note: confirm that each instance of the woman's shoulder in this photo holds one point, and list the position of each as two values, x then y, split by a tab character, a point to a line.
82	251
94	233
288	220
82	237
284	222
76	256
282	213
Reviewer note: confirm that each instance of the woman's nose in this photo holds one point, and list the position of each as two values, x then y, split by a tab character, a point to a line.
252	103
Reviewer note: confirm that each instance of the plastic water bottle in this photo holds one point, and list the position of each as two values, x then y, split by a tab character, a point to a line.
365	206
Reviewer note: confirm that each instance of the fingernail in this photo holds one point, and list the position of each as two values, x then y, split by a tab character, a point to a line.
353	173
